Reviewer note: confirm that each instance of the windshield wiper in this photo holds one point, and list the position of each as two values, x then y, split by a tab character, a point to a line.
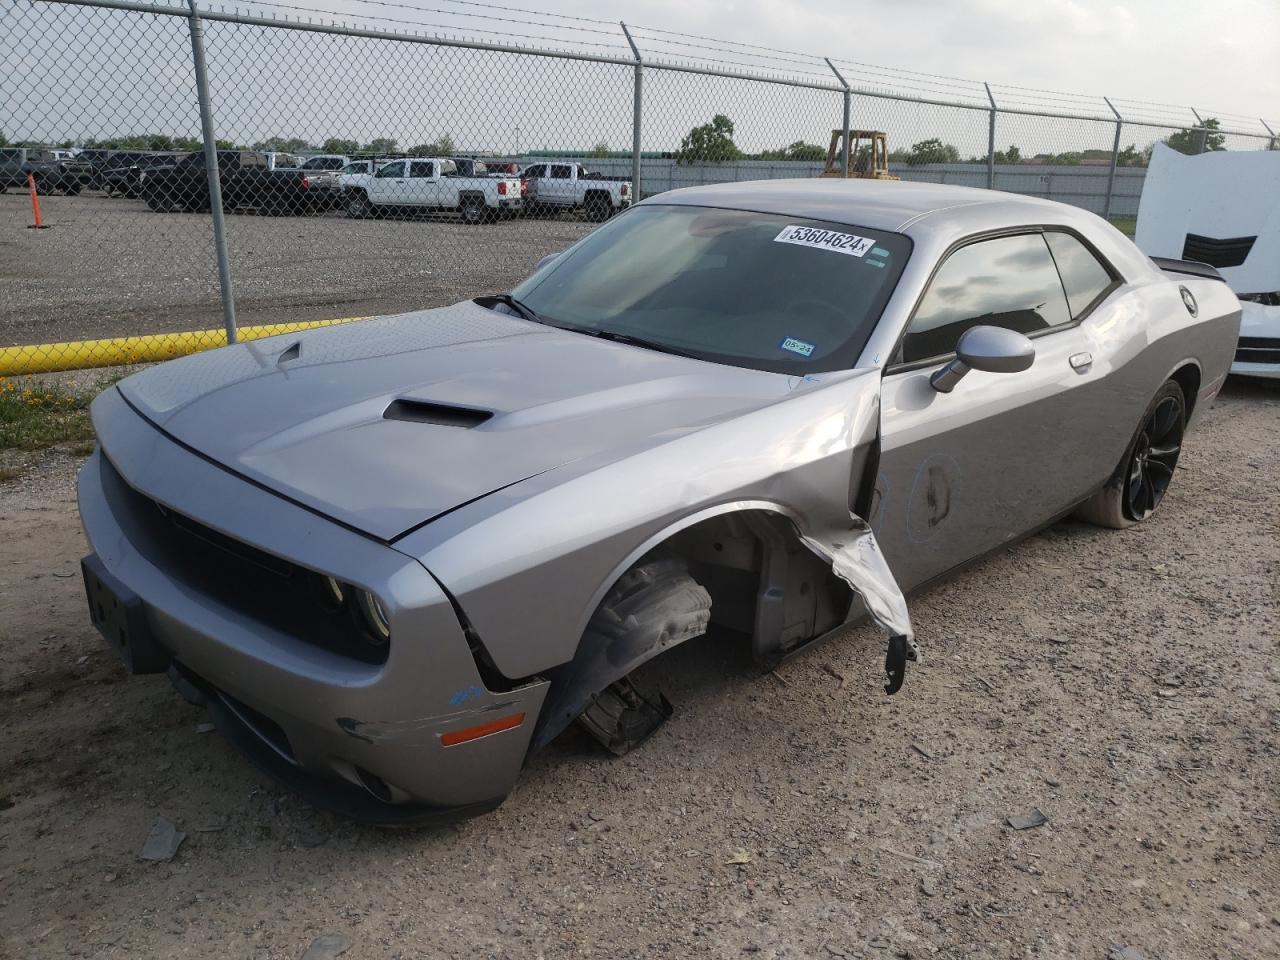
507	300
639	342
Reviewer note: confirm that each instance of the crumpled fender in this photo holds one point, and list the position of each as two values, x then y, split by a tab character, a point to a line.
856	559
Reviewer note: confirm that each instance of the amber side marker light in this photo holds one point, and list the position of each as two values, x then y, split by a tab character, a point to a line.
455	737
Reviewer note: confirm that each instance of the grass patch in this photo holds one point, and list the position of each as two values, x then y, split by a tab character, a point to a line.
34	416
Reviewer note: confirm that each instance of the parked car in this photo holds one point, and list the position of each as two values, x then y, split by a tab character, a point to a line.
395	558
113	174
570	186
127	180
426	184
51	175
245	180
1222	208
95	158
332	162
282	161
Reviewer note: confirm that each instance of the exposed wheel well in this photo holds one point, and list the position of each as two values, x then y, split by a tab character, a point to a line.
1188	378
763	580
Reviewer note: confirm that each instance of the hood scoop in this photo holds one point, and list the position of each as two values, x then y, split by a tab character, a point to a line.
440	414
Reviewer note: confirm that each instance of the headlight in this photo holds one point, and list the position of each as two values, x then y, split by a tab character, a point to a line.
375	617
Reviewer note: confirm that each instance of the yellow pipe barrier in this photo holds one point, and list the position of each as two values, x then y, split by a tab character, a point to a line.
150	348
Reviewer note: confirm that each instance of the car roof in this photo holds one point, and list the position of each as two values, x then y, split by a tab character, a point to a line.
933	215
879	204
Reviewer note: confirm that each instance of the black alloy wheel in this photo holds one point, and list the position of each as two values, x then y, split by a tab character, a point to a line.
1154	458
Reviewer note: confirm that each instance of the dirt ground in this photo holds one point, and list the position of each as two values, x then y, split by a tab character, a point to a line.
1127	684
110	267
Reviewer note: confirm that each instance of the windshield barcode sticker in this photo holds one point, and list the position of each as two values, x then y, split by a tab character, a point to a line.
848	243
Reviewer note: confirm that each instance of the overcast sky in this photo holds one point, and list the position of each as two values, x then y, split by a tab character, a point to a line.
1222	56
74	73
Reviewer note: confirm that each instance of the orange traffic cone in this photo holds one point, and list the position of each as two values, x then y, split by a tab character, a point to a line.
35	205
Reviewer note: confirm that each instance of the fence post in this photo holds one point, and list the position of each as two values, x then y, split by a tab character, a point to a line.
636	195
848	119
1115	161
211	168
1271	144
991	140
1202	141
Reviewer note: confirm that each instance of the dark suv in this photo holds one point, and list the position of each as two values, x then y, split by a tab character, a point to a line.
17	163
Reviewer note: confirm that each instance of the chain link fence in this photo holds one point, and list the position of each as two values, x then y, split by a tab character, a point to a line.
176	177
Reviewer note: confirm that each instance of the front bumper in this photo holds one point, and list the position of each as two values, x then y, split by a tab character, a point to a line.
363	738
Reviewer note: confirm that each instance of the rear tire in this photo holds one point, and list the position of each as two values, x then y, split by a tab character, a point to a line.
473	211
1141	480
598	209
358	205
160	202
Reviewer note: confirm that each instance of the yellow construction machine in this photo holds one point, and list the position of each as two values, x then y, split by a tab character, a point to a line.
868	155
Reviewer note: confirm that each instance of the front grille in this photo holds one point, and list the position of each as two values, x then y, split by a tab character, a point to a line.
1230	252
280	595
1258	350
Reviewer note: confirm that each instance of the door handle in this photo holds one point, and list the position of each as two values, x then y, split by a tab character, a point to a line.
1081	362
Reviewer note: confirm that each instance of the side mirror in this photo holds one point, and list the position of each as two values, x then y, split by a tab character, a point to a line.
993	349
544	261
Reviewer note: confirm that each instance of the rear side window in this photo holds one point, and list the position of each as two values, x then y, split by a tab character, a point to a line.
559	172
1083	275
1006	282
421	168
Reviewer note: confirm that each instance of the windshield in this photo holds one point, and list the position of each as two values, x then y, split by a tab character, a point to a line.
778	293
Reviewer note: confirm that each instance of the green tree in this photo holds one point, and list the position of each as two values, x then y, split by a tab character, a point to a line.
710	143
600	150
796	151
4	141
1131	156
932	150
1012	155
283	144
441	147
381	145
338	145
1191	140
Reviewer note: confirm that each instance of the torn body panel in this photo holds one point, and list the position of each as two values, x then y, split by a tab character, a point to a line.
856	559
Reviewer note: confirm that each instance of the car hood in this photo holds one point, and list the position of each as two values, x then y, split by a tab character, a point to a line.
388	423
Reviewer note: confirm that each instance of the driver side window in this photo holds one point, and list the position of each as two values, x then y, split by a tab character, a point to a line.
391	170
1008	282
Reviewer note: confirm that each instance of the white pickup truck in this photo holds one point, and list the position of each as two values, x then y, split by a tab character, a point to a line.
429	183
560	185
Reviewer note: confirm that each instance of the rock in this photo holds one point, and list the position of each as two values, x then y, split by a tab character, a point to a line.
1125	953
929	886
163	841
205	728
327	947
1025	821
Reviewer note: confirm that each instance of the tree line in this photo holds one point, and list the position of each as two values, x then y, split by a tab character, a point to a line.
442	146
713	142
710	142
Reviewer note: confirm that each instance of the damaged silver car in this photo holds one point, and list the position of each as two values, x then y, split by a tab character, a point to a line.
395	557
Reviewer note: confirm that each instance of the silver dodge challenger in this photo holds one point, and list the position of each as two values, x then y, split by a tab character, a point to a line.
396	557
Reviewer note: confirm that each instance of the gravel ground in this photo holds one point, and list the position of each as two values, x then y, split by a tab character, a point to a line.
1126	684
112	267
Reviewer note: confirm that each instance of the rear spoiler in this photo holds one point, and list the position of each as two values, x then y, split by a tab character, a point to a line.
1189	267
